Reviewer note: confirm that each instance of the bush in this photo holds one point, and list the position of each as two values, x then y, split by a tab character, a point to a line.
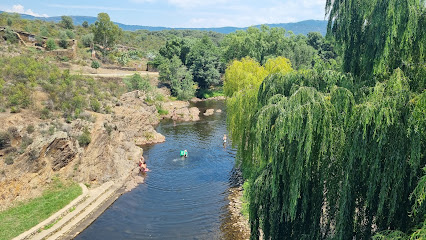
45	113
19	95
10	36
15	109
87	39
70	34
30	129
13	132
161	110
63	43
51	45
26	141
9	160
136	82
95	105
4	140
95	64
84	139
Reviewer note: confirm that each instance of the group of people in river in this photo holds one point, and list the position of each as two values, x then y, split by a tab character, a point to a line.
143	167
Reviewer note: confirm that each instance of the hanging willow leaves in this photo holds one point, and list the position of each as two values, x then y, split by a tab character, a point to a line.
378	36
321	165
297	146
242	80
382	163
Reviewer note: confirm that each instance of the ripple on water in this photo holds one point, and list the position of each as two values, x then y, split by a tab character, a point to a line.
182	198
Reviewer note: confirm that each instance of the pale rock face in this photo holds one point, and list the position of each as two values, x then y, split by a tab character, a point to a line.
112	155
209	112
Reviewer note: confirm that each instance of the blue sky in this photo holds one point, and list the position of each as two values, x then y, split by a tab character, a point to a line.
178	13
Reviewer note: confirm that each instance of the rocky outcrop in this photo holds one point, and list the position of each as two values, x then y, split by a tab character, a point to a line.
112	154
208	112
180	111
61	152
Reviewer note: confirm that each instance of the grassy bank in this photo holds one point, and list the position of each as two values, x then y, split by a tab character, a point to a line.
26	215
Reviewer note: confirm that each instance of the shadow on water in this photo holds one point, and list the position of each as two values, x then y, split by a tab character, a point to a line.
182	198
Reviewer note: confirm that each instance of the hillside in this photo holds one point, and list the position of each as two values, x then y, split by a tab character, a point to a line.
302	27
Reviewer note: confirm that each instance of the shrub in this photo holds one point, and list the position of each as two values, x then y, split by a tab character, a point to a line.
95	64
84	139
13	132
19	95
136	82
30	129
95	105
4	140
9	160
63	43
70	34
15	109
26	141
45	113
87	39
10	36
52	130
51	45
161	110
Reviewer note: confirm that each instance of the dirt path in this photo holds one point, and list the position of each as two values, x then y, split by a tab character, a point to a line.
120	74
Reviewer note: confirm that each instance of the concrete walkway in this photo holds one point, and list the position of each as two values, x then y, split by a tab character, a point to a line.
77	215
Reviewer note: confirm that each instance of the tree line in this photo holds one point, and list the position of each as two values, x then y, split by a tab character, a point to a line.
199	63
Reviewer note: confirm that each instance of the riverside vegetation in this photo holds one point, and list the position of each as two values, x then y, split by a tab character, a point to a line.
337	151
330	130
60	122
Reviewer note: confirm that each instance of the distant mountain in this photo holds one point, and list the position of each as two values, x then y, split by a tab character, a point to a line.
302	27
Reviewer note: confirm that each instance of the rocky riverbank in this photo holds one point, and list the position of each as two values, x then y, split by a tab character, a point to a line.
53	147
235	206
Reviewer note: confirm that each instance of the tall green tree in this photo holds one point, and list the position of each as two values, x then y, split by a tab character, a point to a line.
105	32
203	60
174	73
67	22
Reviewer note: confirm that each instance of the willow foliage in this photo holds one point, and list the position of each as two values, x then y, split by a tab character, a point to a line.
242	80
378	36
328	167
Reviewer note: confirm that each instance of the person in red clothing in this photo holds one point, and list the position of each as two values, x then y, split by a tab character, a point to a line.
142	165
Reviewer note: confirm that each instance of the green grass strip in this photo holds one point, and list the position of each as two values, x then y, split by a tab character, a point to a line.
26	215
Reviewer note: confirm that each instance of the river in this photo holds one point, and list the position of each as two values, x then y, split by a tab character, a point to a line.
181	198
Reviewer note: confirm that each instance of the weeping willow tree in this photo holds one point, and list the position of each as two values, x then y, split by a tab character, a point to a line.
242	80
378	36
341	156
328	167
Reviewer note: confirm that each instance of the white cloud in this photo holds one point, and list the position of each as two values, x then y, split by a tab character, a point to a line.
20	9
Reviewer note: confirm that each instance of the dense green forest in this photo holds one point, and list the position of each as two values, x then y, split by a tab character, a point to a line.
190	62
336	149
